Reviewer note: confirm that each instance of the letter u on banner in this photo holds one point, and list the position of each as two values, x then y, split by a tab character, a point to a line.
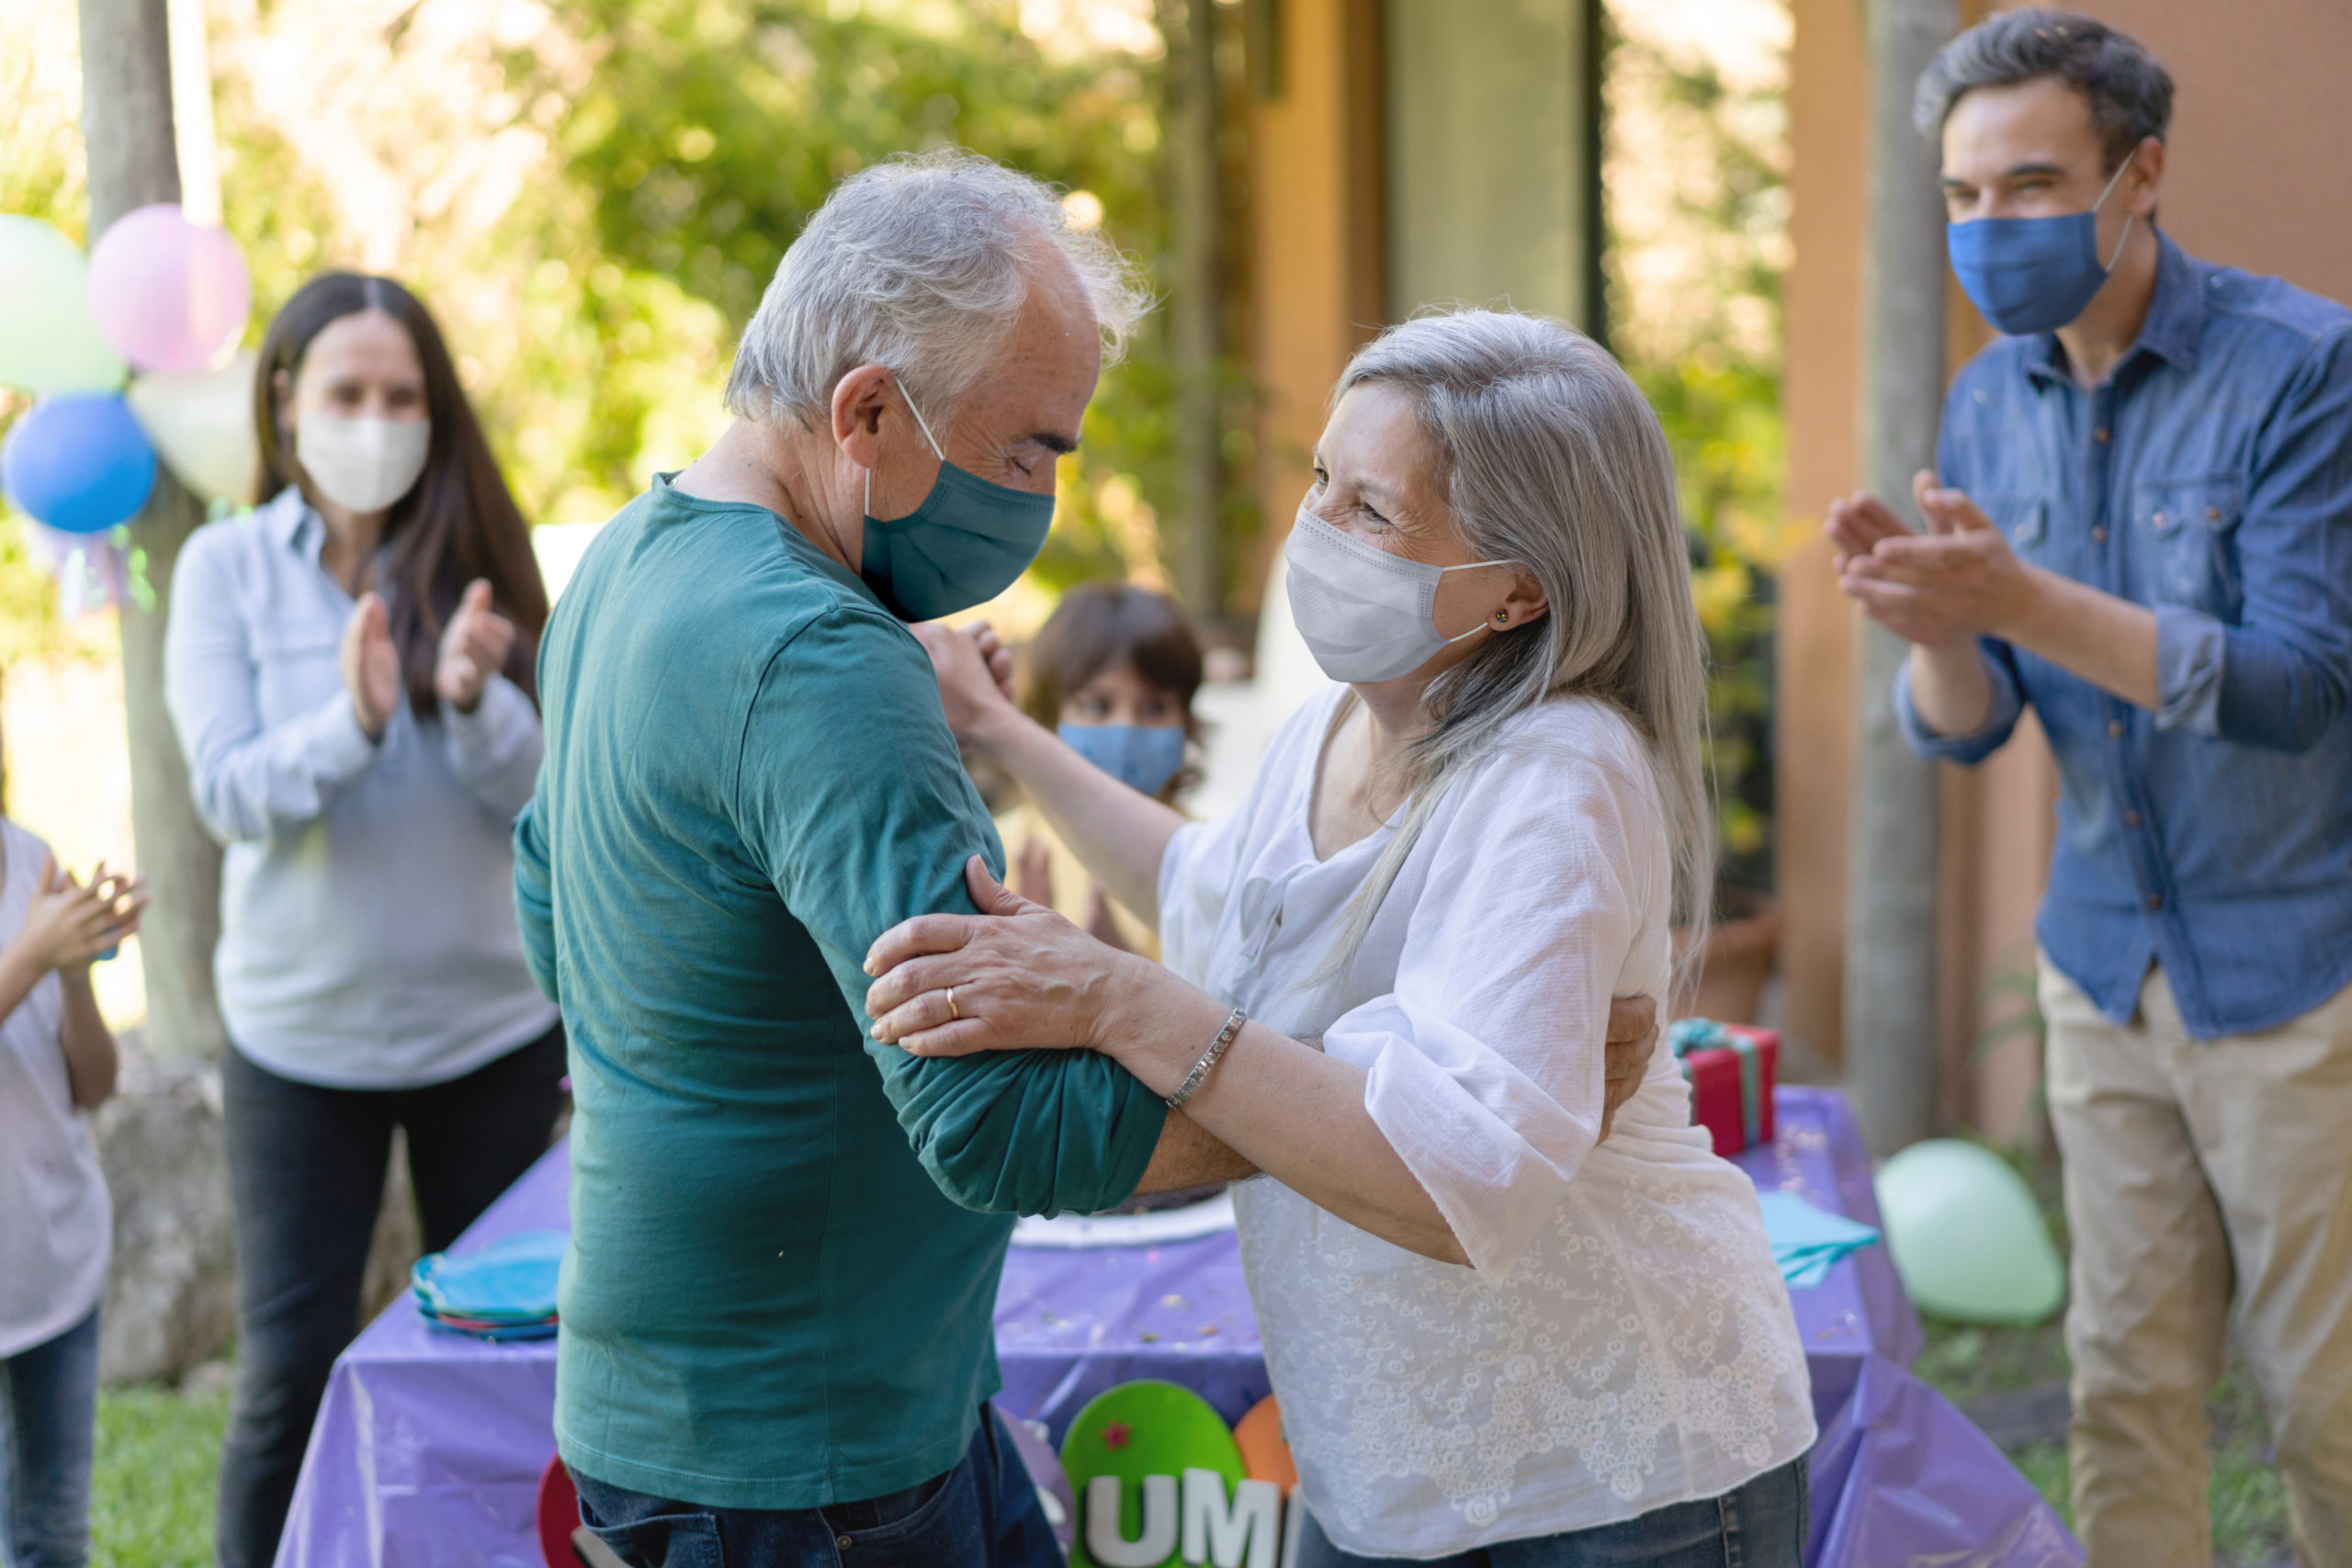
1104	1542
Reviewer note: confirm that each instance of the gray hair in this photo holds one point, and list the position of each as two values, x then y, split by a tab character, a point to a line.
1549	457
920	264
2130	91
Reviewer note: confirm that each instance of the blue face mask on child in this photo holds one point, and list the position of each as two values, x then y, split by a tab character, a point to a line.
1143	757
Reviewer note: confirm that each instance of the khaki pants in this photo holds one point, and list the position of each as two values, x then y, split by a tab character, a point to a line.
2196	1170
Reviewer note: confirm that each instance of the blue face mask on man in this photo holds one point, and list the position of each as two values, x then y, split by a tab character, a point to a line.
2034	275
1141	756
962	546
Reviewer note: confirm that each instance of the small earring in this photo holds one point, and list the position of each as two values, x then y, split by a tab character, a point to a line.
1502	614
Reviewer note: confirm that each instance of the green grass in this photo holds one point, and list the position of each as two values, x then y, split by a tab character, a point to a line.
159	1453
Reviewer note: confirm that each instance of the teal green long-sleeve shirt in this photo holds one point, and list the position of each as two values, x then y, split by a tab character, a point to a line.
785	1236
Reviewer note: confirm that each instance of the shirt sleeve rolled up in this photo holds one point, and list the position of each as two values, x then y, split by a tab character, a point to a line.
851	792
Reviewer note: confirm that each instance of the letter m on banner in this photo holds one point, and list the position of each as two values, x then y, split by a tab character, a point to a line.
1219	1533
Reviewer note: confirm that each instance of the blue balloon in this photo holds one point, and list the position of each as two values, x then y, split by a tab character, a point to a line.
78	461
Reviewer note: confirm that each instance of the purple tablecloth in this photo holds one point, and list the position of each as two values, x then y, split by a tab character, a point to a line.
429	1445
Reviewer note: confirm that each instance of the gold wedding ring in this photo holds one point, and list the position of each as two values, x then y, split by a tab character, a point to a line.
953	1012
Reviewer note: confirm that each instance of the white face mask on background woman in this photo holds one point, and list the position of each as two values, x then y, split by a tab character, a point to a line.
1366	614
363	464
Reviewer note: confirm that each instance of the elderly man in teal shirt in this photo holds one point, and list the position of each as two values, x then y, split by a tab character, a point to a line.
776	1309
777	1339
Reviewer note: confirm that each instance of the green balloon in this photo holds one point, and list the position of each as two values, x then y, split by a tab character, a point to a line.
48	340
1139	1430
1966	1236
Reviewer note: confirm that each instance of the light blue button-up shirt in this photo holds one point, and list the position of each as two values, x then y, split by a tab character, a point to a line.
367	935
2209	478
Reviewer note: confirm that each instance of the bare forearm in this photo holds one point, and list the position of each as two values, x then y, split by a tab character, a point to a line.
1950	689
18	974
1292	1112
1118	835
91	1060
2109	642
1187	1157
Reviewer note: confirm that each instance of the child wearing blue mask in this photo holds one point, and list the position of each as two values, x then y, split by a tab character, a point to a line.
1113	671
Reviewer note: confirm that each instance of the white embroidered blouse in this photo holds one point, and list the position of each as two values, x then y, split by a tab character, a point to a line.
1624	1340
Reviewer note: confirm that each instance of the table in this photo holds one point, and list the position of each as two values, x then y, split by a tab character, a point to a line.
428	1446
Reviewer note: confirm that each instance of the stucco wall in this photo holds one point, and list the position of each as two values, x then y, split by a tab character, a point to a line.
2257	177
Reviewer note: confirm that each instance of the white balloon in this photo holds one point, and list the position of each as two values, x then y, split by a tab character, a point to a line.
202	425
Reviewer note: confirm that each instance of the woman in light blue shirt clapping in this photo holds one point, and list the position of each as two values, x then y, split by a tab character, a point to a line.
349	668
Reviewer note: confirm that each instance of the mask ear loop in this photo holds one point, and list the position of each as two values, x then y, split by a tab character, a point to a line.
923	426
1483	624
2129	217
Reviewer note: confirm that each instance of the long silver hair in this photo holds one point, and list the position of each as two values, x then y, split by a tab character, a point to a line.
1550	458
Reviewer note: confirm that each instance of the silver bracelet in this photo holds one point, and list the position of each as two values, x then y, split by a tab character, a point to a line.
1225	1038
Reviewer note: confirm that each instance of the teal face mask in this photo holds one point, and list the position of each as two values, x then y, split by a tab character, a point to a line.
962	546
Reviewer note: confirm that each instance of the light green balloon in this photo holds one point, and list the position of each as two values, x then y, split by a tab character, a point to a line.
1966	1236
48	340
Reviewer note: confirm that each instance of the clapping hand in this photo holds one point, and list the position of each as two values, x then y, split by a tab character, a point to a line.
1960	579
68	925
371	666
473	648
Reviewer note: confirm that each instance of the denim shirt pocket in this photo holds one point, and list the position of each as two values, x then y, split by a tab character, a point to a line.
2024	521
2188	529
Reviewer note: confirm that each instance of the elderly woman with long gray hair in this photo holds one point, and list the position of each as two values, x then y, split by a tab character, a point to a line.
1496	1338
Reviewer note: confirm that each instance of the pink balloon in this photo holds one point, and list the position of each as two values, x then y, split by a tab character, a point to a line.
171	295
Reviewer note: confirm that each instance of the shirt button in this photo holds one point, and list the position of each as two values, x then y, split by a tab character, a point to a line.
2131	819
2100	435
2213	514
2098	536
2156	900
844	1541
2157	520
2115	729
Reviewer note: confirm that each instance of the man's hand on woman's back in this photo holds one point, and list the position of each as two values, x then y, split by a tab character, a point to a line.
1632	1036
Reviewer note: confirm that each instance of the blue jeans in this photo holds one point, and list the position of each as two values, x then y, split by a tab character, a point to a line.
1759	1525
48	1414
982	1513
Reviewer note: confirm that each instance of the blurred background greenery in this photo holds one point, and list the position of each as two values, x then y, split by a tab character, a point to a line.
592	194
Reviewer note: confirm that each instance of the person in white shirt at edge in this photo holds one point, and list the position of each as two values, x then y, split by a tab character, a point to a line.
57	1061
349	669
1494	1339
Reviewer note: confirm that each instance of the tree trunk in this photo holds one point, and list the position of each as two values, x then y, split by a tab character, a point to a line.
1890	1023
1195	546
126	125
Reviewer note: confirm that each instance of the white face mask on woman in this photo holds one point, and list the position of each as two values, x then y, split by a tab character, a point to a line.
1366	614
364	464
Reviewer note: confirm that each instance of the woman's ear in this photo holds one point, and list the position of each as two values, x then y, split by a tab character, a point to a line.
1526	602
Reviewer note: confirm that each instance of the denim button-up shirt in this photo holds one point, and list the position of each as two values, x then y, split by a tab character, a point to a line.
2209	477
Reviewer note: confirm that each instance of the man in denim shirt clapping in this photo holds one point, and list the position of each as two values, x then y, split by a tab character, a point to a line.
2143	526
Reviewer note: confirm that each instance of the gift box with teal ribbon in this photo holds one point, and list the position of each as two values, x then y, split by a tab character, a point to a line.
1730	1067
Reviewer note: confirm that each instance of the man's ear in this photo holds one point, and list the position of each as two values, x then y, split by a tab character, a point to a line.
860	400
2145	182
